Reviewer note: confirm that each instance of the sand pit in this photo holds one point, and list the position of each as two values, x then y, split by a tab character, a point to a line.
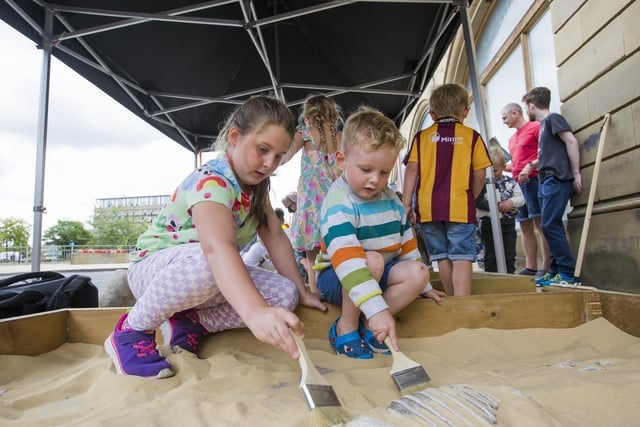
588	375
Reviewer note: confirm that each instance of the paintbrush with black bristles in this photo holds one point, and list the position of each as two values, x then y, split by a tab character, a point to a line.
408	375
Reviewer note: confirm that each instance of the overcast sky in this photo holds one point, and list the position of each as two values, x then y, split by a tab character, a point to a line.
95	147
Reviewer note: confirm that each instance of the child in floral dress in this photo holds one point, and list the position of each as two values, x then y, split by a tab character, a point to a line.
318	136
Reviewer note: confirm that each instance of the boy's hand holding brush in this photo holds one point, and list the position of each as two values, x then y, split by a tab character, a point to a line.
408	375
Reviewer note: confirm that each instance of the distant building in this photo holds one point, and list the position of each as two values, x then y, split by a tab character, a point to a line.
145	207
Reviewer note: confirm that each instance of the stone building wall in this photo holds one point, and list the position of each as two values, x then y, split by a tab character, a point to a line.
597	47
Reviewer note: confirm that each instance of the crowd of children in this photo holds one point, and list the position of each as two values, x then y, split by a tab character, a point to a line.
352	239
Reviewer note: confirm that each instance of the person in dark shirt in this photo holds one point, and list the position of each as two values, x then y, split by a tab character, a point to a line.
558	163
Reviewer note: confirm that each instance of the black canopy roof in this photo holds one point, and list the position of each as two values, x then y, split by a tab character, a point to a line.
183	65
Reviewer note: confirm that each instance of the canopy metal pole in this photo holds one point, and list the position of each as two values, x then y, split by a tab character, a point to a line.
478	103
41	148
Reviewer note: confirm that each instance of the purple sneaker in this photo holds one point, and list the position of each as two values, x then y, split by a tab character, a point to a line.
183	331
134	353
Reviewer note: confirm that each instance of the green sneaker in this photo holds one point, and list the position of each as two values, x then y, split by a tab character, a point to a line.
564	280
545	280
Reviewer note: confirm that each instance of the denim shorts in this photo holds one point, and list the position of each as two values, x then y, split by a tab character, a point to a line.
450	240
331	289
531	208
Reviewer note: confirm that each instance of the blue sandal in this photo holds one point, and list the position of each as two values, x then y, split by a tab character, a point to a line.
371	341
350	345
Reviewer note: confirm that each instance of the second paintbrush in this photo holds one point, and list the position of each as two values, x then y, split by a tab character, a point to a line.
406	373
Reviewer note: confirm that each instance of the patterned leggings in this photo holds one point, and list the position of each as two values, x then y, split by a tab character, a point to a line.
179	278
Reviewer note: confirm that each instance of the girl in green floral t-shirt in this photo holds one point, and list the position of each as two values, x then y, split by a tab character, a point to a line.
188	277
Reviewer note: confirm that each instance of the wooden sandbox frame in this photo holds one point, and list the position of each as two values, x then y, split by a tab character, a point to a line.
499	302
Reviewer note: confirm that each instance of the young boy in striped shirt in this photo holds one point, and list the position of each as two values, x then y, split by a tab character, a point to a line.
446	169
369	260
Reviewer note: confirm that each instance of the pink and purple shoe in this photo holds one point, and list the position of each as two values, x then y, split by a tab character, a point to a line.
183	331
135	353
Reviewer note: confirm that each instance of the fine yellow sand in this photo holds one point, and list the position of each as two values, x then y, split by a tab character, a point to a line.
585	376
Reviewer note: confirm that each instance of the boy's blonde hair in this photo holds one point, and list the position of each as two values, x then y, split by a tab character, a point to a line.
497	157
369	127
449	100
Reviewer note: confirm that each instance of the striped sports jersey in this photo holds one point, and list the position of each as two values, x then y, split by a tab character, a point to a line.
350	226
447	153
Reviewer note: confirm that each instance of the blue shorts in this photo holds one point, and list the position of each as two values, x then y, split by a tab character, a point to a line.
531	208
450	240
331	289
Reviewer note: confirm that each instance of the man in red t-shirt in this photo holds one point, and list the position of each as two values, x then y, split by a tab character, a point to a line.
523	146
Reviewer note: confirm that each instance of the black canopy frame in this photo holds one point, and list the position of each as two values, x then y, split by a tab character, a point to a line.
183	69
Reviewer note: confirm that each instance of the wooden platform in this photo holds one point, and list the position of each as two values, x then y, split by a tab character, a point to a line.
494	283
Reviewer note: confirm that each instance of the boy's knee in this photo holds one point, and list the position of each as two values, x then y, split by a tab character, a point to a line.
423	273
418	275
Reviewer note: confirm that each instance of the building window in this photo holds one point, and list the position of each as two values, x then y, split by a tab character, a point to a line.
530	58
543	63
504	16
507	85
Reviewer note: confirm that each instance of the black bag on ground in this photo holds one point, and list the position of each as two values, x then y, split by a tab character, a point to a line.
40	291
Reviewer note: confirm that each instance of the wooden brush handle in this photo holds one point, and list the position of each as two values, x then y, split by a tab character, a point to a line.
309	372
387	341
400	360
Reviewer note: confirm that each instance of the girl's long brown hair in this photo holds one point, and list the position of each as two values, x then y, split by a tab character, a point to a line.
253	116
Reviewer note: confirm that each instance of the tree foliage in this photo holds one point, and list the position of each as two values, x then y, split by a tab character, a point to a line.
65	232
114	227
14	232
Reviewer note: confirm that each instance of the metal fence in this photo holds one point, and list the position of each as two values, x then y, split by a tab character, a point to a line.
53	253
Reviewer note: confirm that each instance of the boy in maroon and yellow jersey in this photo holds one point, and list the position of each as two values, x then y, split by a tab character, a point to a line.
445	173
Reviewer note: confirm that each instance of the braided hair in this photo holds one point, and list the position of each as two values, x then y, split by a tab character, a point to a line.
318	109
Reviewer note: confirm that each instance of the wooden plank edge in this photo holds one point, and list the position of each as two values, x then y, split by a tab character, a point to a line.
40	333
